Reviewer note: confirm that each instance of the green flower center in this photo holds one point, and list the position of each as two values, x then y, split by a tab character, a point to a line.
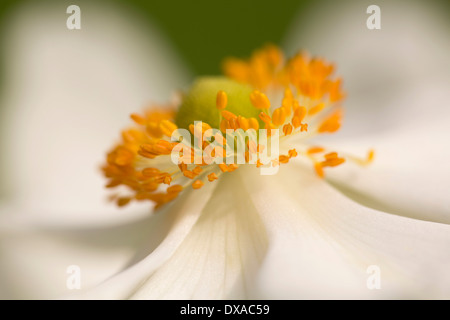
199	103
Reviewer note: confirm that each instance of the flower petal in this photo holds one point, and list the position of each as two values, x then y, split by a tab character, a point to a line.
409	175
397	83
66	93
220	255
35	262
321	244
216	258
35	257
184	214
378	67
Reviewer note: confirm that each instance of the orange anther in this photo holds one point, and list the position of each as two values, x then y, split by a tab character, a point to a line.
176	188
197	184
304	127
146	154
283	159
167	180
182	166
264	117
199	128
233	124
313	150
300	113
138	119
331	155
292	153
123	201
167	127
160	178
335	91
370	156
253	123
319	169
150	172
244	124
278	116
124	157
221	100
316	109
332	162
287	129
153	130
288	100
197	170
332	123
228	115
189	174
259	100
212	177
113	183
166	144
296	122
258	163
150	186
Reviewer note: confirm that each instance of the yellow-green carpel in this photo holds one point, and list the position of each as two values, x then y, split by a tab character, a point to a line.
199	103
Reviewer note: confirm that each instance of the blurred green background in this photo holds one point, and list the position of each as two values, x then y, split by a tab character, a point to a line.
205	31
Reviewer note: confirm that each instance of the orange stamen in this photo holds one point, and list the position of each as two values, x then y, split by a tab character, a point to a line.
212	177
259	100
221	100
197	184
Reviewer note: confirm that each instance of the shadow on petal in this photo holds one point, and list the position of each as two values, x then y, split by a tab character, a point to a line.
221	254
322	243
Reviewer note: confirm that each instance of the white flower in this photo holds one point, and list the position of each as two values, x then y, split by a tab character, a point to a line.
291	235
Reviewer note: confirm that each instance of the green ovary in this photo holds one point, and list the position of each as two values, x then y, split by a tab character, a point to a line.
199	103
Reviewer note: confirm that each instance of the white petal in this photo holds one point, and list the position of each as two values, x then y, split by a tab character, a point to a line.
403	181
35	258
398	102
410	174
216	258
35	262
321	244
220	255
378	67
183	215
68	93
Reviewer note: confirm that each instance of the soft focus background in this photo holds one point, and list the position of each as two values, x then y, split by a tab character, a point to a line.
65	94
201	31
